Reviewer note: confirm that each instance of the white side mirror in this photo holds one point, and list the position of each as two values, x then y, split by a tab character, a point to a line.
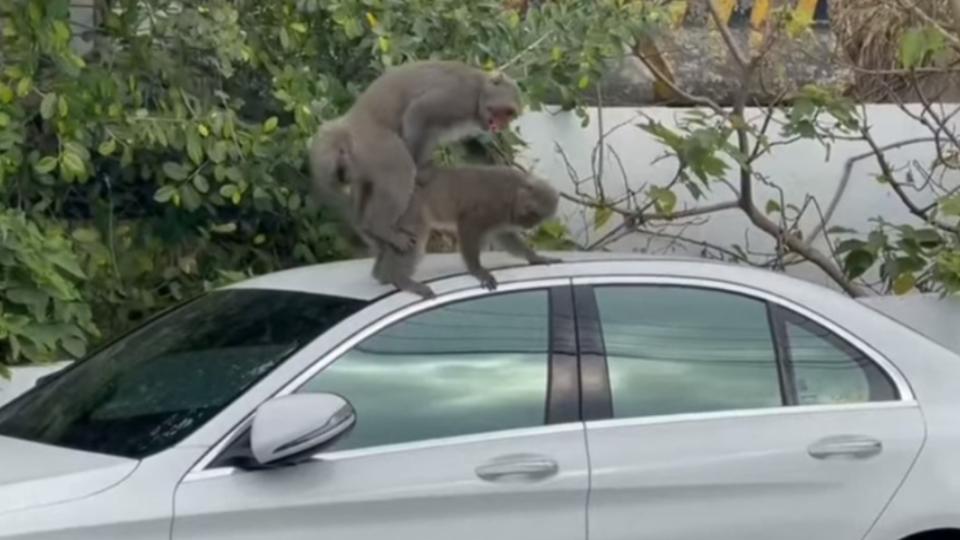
293	425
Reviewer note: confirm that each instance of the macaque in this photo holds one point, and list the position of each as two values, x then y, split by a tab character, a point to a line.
394	128
479	203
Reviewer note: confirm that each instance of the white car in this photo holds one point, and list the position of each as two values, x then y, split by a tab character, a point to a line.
610	397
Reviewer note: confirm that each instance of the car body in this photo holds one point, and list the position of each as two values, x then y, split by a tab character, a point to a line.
608	397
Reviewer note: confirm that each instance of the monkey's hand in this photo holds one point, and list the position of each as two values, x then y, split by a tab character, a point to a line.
487	281
540	259
402	240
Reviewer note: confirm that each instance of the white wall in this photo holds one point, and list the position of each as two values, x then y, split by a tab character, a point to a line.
22	379
801	169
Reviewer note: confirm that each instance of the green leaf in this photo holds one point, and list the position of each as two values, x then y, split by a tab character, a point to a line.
295	202
76	347
4	119
73	163
917	44
234	174
664	199
201	183
191	199
857	262
270	125
928	238
28	297
164	194
851	244
48	106
63	107
107	147
904	283
772	206
175	171
217	152
24	86
601	216
6	94
194	146
228	190
224	228
298	27
86	235
951	206
45	165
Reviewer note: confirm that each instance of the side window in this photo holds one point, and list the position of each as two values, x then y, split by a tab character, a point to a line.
677	350
469	367
828	370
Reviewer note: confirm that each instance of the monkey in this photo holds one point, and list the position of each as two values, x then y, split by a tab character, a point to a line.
479	203
393	129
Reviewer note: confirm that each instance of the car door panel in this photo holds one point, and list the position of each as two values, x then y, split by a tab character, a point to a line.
414	492
462	431
734	418
746	476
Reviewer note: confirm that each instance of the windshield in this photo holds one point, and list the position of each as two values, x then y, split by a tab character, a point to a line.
156	385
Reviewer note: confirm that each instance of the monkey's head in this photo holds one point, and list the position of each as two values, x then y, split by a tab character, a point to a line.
536	201
500	102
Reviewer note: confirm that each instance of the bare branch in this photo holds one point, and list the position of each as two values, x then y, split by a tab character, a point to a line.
738	55
898	189
845	179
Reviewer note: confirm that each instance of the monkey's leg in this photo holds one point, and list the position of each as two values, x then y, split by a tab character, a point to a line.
387	167
397	268
471	239
516	246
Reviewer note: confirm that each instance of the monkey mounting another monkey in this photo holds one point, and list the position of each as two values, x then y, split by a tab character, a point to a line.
479	203
392	130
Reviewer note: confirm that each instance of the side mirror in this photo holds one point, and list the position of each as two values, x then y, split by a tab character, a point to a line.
291	427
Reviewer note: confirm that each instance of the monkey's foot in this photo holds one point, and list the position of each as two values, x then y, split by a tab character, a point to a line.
540	259
421	289
487	281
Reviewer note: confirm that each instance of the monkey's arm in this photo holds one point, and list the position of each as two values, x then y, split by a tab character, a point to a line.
515	245
471	239
420	115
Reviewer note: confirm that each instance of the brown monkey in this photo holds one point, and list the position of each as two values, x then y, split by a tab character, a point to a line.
394	127
480	203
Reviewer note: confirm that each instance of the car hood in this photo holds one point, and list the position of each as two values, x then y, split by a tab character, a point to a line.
34	474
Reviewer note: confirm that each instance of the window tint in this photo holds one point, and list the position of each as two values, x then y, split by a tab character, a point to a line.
681	349
828	370
156	385
469	367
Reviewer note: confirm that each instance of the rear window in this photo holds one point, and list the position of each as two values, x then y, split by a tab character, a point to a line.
156	385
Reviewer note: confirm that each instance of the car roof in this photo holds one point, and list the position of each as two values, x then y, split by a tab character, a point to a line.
351	278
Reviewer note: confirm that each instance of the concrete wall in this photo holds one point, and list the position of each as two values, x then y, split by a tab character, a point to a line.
23	378
802	169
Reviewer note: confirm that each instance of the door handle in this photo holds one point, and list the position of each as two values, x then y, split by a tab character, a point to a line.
518	466
855	446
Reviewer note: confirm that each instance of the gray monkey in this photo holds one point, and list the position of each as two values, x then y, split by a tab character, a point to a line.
392	130
479	203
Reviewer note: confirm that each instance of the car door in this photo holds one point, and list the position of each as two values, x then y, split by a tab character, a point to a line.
466	428
727	417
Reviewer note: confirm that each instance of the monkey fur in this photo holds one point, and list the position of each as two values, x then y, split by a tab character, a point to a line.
393	128
479	203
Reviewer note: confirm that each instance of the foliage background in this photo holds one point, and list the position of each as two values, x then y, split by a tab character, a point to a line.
169	158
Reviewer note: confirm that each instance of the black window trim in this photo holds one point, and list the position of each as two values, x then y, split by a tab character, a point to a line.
597	400
783	315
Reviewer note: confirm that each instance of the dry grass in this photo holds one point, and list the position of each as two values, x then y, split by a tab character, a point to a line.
869	34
